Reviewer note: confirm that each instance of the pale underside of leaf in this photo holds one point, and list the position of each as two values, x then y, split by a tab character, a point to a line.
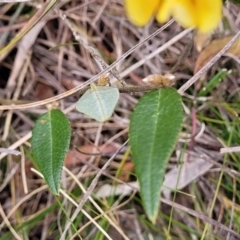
98	102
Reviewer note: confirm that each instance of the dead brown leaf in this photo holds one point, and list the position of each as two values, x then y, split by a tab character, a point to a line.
201	40
85	152
43	91
213	48
128	167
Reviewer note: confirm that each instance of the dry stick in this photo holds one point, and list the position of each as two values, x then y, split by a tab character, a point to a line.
135	89
156	51
23	171
229	149
28	136
94	203
91	49
8	177
23	200
201	216
16	144
183	56
232	209
181	90
9	151
76	204
166	201
84	212
95	54
16	94
183	208
14	233
14	17
76	89
192	80
12	27
90	190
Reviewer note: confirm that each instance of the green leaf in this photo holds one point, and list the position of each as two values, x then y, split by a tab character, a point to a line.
154	128
50	143
98	102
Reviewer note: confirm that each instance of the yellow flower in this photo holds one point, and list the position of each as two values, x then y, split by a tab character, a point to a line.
202	14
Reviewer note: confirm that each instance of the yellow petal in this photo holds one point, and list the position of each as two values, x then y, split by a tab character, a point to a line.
203	14
209	14
141	11
181	10
165	10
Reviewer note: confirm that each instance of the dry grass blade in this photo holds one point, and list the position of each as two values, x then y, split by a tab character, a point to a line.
76	204
89	192
9	151
202	217
127	189
230	150
47	6
53	69
9	224
191	81
85	84
90	48
96	205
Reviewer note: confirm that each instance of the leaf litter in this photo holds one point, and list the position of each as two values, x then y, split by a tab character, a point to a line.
68	65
